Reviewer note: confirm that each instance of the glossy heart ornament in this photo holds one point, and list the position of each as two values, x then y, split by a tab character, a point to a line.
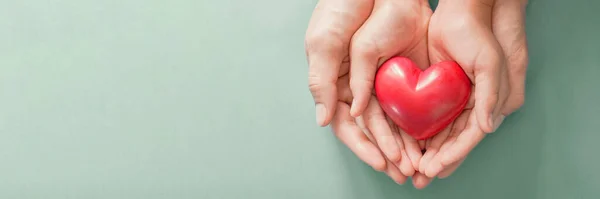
422	102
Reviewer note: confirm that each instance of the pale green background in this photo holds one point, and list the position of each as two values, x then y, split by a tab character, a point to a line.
209	99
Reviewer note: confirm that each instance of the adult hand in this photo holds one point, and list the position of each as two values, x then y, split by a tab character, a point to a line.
487	38
370	32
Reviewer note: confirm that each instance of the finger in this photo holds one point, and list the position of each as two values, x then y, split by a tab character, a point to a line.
329	32
393	172
498	117
380	129
364	55
433	149
487	70
434	165
450	169
420	181
405	164
471	102
425	160
388	31
392	169
465	142
509	28
344	94
412	149
347	131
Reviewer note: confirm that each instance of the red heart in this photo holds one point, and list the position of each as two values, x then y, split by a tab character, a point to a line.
422	103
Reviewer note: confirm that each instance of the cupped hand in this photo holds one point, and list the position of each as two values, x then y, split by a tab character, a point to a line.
487	38
345	43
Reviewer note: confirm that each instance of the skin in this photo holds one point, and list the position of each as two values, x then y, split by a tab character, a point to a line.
496	61
348	39
340	29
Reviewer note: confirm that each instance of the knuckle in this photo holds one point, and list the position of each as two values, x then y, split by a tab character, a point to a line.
317	83
364	46
487	101
325	40
488	62
519	59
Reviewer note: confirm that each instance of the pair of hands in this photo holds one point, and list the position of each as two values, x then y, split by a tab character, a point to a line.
347	40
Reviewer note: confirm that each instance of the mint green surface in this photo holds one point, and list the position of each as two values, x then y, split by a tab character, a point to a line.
208	99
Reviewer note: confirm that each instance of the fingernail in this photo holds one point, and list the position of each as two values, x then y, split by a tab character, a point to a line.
321	114
498	122
400	182
491	121
353	108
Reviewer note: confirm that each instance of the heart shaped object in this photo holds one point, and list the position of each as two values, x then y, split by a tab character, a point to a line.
422	102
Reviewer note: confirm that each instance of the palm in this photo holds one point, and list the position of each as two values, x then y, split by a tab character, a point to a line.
404	34
466	39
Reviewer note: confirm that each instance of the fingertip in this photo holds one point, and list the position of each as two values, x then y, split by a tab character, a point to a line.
433	169
498	121
401	181
392	151
321	114
420	181
358	106
490	124
361	86
485	121
412	149
425	159
378	164
346	129
406	165
394	157
393	172
373	157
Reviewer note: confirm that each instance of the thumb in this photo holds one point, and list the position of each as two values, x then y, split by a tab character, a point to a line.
322	78
329	32
487	74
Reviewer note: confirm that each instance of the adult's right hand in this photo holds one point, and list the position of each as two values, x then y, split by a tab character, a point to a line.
345	43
